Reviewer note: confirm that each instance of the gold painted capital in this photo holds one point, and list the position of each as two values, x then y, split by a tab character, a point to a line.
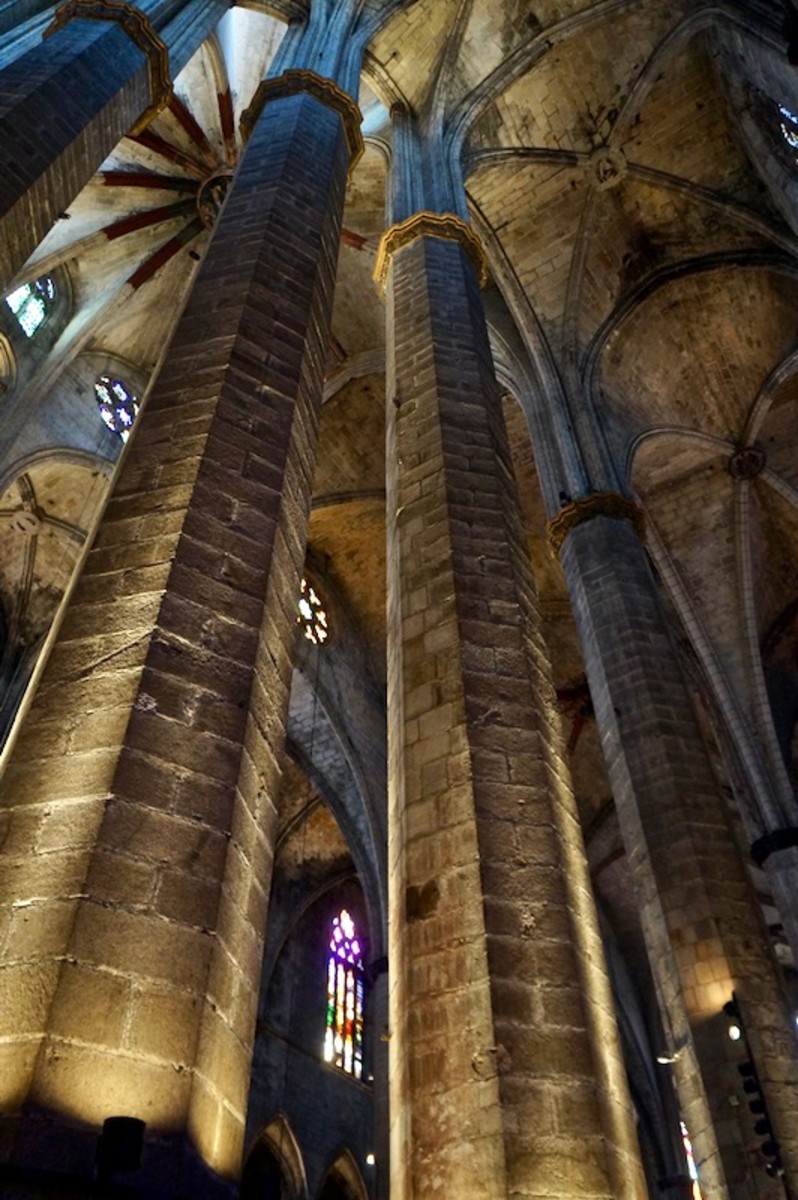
138	28
600	504
291	83
429	224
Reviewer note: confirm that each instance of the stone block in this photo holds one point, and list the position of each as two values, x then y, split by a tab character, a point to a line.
91	1004
164	1023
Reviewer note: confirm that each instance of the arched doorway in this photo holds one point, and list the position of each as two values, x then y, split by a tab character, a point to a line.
274	1169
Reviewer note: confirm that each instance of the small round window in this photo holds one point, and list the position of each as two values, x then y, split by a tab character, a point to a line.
117	404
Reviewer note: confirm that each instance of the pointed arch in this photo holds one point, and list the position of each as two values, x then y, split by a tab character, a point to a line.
275	1161
344	1181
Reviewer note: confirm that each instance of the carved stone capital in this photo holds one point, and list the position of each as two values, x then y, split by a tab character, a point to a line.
600	504
293	82
430	224
138	28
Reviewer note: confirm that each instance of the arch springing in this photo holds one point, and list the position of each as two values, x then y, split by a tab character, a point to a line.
31	303
343	1036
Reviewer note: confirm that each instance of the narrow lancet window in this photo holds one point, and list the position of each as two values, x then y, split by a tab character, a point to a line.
311	615
692	1169
343	1037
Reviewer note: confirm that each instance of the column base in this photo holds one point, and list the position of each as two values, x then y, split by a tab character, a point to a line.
48	1158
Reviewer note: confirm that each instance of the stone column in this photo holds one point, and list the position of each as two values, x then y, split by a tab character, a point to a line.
777	853
506	1077
103	67
701	922
378	1011
139	798
771	808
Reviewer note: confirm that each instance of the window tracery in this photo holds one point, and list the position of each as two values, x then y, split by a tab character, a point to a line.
312	616
789	128
343	1037
31	304
117	404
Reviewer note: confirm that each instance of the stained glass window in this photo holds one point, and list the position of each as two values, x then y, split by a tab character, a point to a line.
692	1170
118	406
311	615
343	1036
789	128
30	303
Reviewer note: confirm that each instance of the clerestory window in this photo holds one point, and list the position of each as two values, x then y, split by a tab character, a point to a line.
343	1036
311	615
31	304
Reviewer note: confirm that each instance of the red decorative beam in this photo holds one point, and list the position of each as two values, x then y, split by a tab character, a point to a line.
159	145
355	240
194	130
152	216
148	179
165	253
227	121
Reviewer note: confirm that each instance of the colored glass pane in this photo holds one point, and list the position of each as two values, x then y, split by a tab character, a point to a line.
117	404
789	127
30	303
311	615
343	1035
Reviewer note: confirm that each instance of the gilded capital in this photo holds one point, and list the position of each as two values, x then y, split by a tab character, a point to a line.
292	83
599	504
138	28
430	224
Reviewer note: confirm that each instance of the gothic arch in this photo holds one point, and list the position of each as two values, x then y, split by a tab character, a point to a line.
343	1181
275	1148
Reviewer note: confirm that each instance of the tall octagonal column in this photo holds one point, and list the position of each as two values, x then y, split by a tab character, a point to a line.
506	1077
139	798
102	67
703	929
